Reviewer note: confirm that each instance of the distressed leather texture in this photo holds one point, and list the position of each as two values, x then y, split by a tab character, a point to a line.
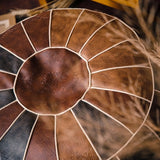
73	88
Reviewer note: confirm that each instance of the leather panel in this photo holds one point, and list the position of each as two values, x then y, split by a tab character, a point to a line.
120	106
125	80
6	97
8	62
19	45
88	22
13	144
124	54
42	143
72	143
101	129
62	24
106	37
52	81
38	35
8	115
6	80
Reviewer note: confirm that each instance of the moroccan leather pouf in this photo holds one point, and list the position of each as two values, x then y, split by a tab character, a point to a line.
74	87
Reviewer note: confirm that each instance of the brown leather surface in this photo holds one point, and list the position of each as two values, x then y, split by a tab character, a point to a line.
124	54
8	115
8	61
6	96
145	144
14	143
102	130
19	45
62	23
40	36
52	81
106	37
125	80
88	22
72	143
42	143
119	105
6	80
55	79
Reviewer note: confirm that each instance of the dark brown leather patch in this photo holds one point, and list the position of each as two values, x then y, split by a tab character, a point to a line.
16	41
6	80
6	97
9	62
14	143
8	115
42	143
52	81
38	35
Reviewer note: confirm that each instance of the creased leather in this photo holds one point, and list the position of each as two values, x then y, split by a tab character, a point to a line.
88	83
6	97
8	62
13	145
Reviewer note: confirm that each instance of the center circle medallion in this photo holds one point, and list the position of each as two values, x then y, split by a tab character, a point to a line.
52	81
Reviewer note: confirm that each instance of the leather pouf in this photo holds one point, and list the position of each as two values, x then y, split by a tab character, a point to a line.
73	87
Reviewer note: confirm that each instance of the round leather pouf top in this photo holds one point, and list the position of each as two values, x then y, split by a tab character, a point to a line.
73	87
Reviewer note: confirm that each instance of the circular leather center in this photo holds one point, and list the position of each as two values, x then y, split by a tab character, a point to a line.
52	81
